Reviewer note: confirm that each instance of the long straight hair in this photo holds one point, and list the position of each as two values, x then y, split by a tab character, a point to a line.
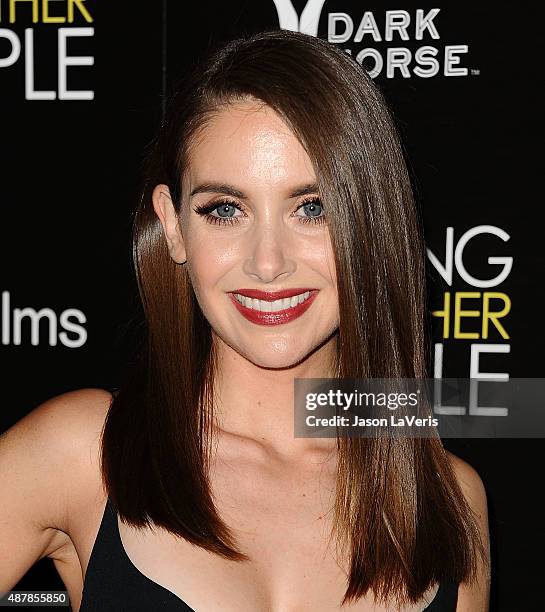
399	512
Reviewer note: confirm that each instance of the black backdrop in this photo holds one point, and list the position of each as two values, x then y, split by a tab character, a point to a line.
467	104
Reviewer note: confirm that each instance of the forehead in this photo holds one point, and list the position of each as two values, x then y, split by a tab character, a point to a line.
250	143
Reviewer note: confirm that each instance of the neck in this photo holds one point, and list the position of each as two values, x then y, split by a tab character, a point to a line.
256	404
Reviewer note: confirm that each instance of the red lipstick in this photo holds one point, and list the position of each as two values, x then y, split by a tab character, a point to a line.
273	318
271	296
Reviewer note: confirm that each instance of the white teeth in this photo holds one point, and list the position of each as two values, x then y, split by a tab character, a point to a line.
263	306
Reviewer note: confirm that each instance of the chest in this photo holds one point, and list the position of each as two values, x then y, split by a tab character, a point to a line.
282	522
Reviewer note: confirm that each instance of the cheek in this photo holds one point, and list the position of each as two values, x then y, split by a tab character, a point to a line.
320	257
209	261
203	276
329	259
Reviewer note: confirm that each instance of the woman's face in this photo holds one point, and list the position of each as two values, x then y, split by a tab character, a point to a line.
251	221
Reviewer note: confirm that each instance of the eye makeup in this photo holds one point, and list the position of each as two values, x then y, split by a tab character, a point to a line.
206	210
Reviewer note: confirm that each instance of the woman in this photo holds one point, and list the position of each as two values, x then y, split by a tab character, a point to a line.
276	238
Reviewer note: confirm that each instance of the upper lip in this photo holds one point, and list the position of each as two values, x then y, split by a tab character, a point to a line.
271	296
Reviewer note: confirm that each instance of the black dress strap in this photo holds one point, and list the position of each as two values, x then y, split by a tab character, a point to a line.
114	584
445	599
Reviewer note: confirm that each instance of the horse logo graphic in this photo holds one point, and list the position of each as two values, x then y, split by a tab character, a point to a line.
307	23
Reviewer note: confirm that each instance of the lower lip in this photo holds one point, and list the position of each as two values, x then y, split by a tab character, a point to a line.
274	318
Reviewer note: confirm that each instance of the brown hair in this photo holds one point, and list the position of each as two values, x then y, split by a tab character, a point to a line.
398	508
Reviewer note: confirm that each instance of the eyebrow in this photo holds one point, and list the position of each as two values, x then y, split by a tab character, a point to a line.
213	187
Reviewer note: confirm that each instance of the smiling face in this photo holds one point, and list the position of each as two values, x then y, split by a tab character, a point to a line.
251	220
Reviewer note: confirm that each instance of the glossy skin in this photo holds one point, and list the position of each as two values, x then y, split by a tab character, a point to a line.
271	246
273	490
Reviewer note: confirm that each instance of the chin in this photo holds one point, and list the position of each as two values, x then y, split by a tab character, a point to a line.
275	352
280	363
275	358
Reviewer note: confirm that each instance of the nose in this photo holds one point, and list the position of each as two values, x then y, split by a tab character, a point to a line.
269	255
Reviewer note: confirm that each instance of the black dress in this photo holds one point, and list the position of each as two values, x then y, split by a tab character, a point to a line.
114	584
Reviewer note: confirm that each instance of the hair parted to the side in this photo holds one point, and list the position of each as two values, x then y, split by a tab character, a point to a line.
399	512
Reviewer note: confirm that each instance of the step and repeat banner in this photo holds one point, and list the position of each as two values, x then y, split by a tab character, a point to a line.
82	91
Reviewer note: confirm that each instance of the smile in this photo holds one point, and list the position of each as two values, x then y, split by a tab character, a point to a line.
265	306
276	312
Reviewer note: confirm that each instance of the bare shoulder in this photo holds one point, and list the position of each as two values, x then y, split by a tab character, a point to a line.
49	467
470	482
474	597
52	453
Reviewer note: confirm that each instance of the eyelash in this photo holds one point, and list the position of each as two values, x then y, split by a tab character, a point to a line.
205	211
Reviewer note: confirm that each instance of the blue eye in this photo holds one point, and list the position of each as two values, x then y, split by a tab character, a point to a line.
226	212
314	208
